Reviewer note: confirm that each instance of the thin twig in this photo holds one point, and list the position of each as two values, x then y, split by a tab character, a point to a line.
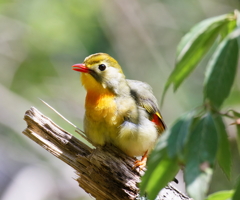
78	130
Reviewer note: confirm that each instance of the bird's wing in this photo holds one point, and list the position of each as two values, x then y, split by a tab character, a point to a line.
144	97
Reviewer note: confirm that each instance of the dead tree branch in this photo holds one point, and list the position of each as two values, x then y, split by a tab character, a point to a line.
104	172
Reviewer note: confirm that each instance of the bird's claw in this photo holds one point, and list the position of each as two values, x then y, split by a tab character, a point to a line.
141	164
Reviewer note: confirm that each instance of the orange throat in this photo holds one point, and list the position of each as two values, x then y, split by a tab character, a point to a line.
101	106
99	100
99	103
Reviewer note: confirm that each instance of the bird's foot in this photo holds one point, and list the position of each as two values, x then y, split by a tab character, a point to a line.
141	164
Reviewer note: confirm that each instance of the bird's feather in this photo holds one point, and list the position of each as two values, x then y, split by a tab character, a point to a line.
143	95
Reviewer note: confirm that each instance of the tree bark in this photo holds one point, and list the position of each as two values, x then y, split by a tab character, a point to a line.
104	172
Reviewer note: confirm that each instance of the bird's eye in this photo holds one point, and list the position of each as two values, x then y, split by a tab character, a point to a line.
102	67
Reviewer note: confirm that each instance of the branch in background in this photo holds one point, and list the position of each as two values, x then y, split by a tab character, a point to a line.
104	172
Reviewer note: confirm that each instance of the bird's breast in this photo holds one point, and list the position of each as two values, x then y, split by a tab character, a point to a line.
101	107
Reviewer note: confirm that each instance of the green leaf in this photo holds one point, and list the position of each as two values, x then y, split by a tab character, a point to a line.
154	159
237	15
203	140
222	195
159	176
178	135
221	71
198	187
193	46
237	116
238	137
226	30
236	194
200	156
224	154
201	28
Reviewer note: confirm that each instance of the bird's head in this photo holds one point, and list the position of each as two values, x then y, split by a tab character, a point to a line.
100	71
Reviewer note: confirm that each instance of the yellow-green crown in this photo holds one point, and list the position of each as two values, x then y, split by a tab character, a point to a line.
98	58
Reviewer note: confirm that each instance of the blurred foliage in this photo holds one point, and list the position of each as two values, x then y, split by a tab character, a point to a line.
198	140
39	42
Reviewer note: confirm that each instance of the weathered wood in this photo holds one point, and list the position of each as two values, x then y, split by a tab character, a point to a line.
104	172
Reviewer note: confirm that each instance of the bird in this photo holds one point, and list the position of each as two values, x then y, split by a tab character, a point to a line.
119	111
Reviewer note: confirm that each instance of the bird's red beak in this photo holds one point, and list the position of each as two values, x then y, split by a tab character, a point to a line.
80	68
